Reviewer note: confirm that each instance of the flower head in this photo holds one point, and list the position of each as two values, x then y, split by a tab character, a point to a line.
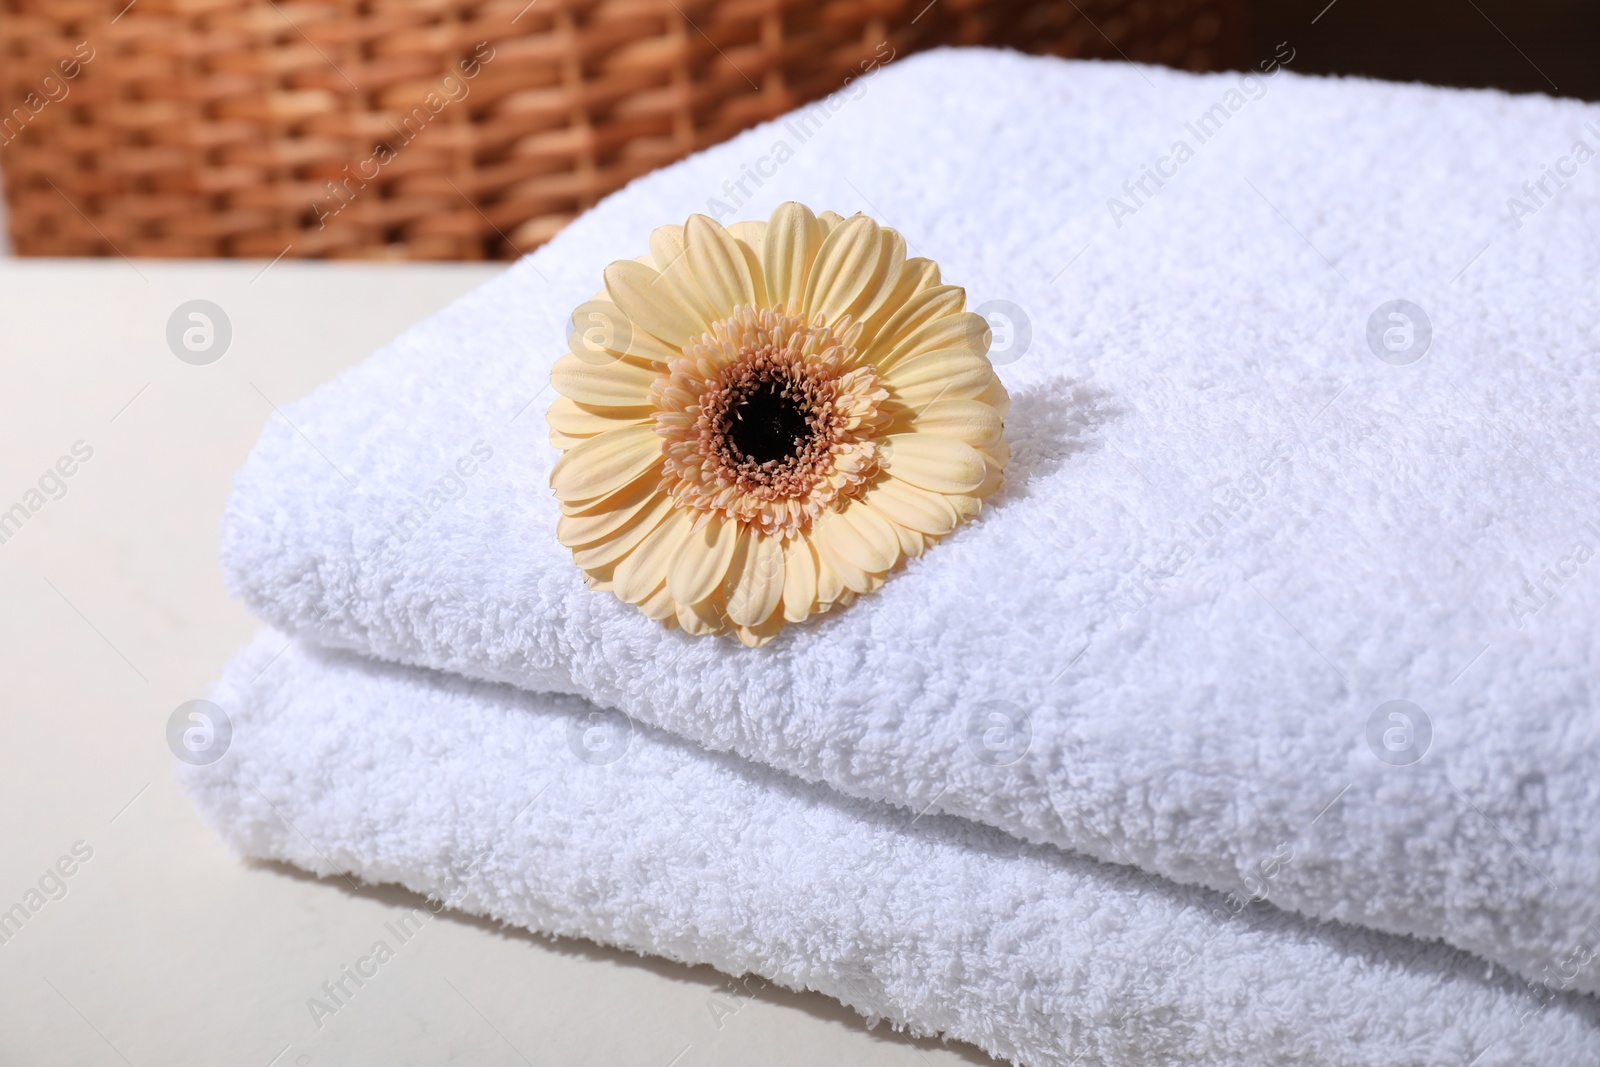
760	423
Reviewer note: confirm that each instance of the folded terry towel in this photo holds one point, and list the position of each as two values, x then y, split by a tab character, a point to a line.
545	812
1238	523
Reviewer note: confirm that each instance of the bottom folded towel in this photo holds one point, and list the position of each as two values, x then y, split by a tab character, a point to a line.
548	813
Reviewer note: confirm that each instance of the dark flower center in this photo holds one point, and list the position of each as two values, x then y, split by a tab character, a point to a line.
768	423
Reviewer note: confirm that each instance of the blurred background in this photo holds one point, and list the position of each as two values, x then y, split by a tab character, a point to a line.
475	129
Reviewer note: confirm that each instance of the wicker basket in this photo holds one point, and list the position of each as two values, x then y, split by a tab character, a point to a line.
450	129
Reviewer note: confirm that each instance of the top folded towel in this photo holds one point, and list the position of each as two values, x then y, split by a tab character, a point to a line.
1289	590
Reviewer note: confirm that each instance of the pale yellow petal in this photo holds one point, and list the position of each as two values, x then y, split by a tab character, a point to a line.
799	579
971	421
717	266
920	308
756	582
967	505
843	550
998	453
996	456
600	332
571	419
653	307
927	272
601	557
659	605
700	619
762	632
667	246
646	484
912	543
793	237
910	280
830	572
605	463
993	478
629	507
752	233
669	254
876	533
702	561
836	570
565	441
845	267
638	575
964	331
940	464
752	238
963	373
908	506
891	282
994	394
620	383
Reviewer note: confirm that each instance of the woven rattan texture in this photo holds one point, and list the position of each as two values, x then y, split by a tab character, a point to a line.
448	129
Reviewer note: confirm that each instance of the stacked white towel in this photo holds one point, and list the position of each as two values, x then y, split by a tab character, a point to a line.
1248	509
546	812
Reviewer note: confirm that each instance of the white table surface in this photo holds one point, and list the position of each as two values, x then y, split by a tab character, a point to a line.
166	949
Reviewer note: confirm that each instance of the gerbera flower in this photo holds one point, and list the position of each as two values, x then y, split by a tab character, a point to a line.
760	423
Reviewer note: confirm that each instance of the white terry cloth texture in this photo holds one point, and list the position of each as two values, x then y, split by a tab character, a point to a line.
476	795
1231	534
